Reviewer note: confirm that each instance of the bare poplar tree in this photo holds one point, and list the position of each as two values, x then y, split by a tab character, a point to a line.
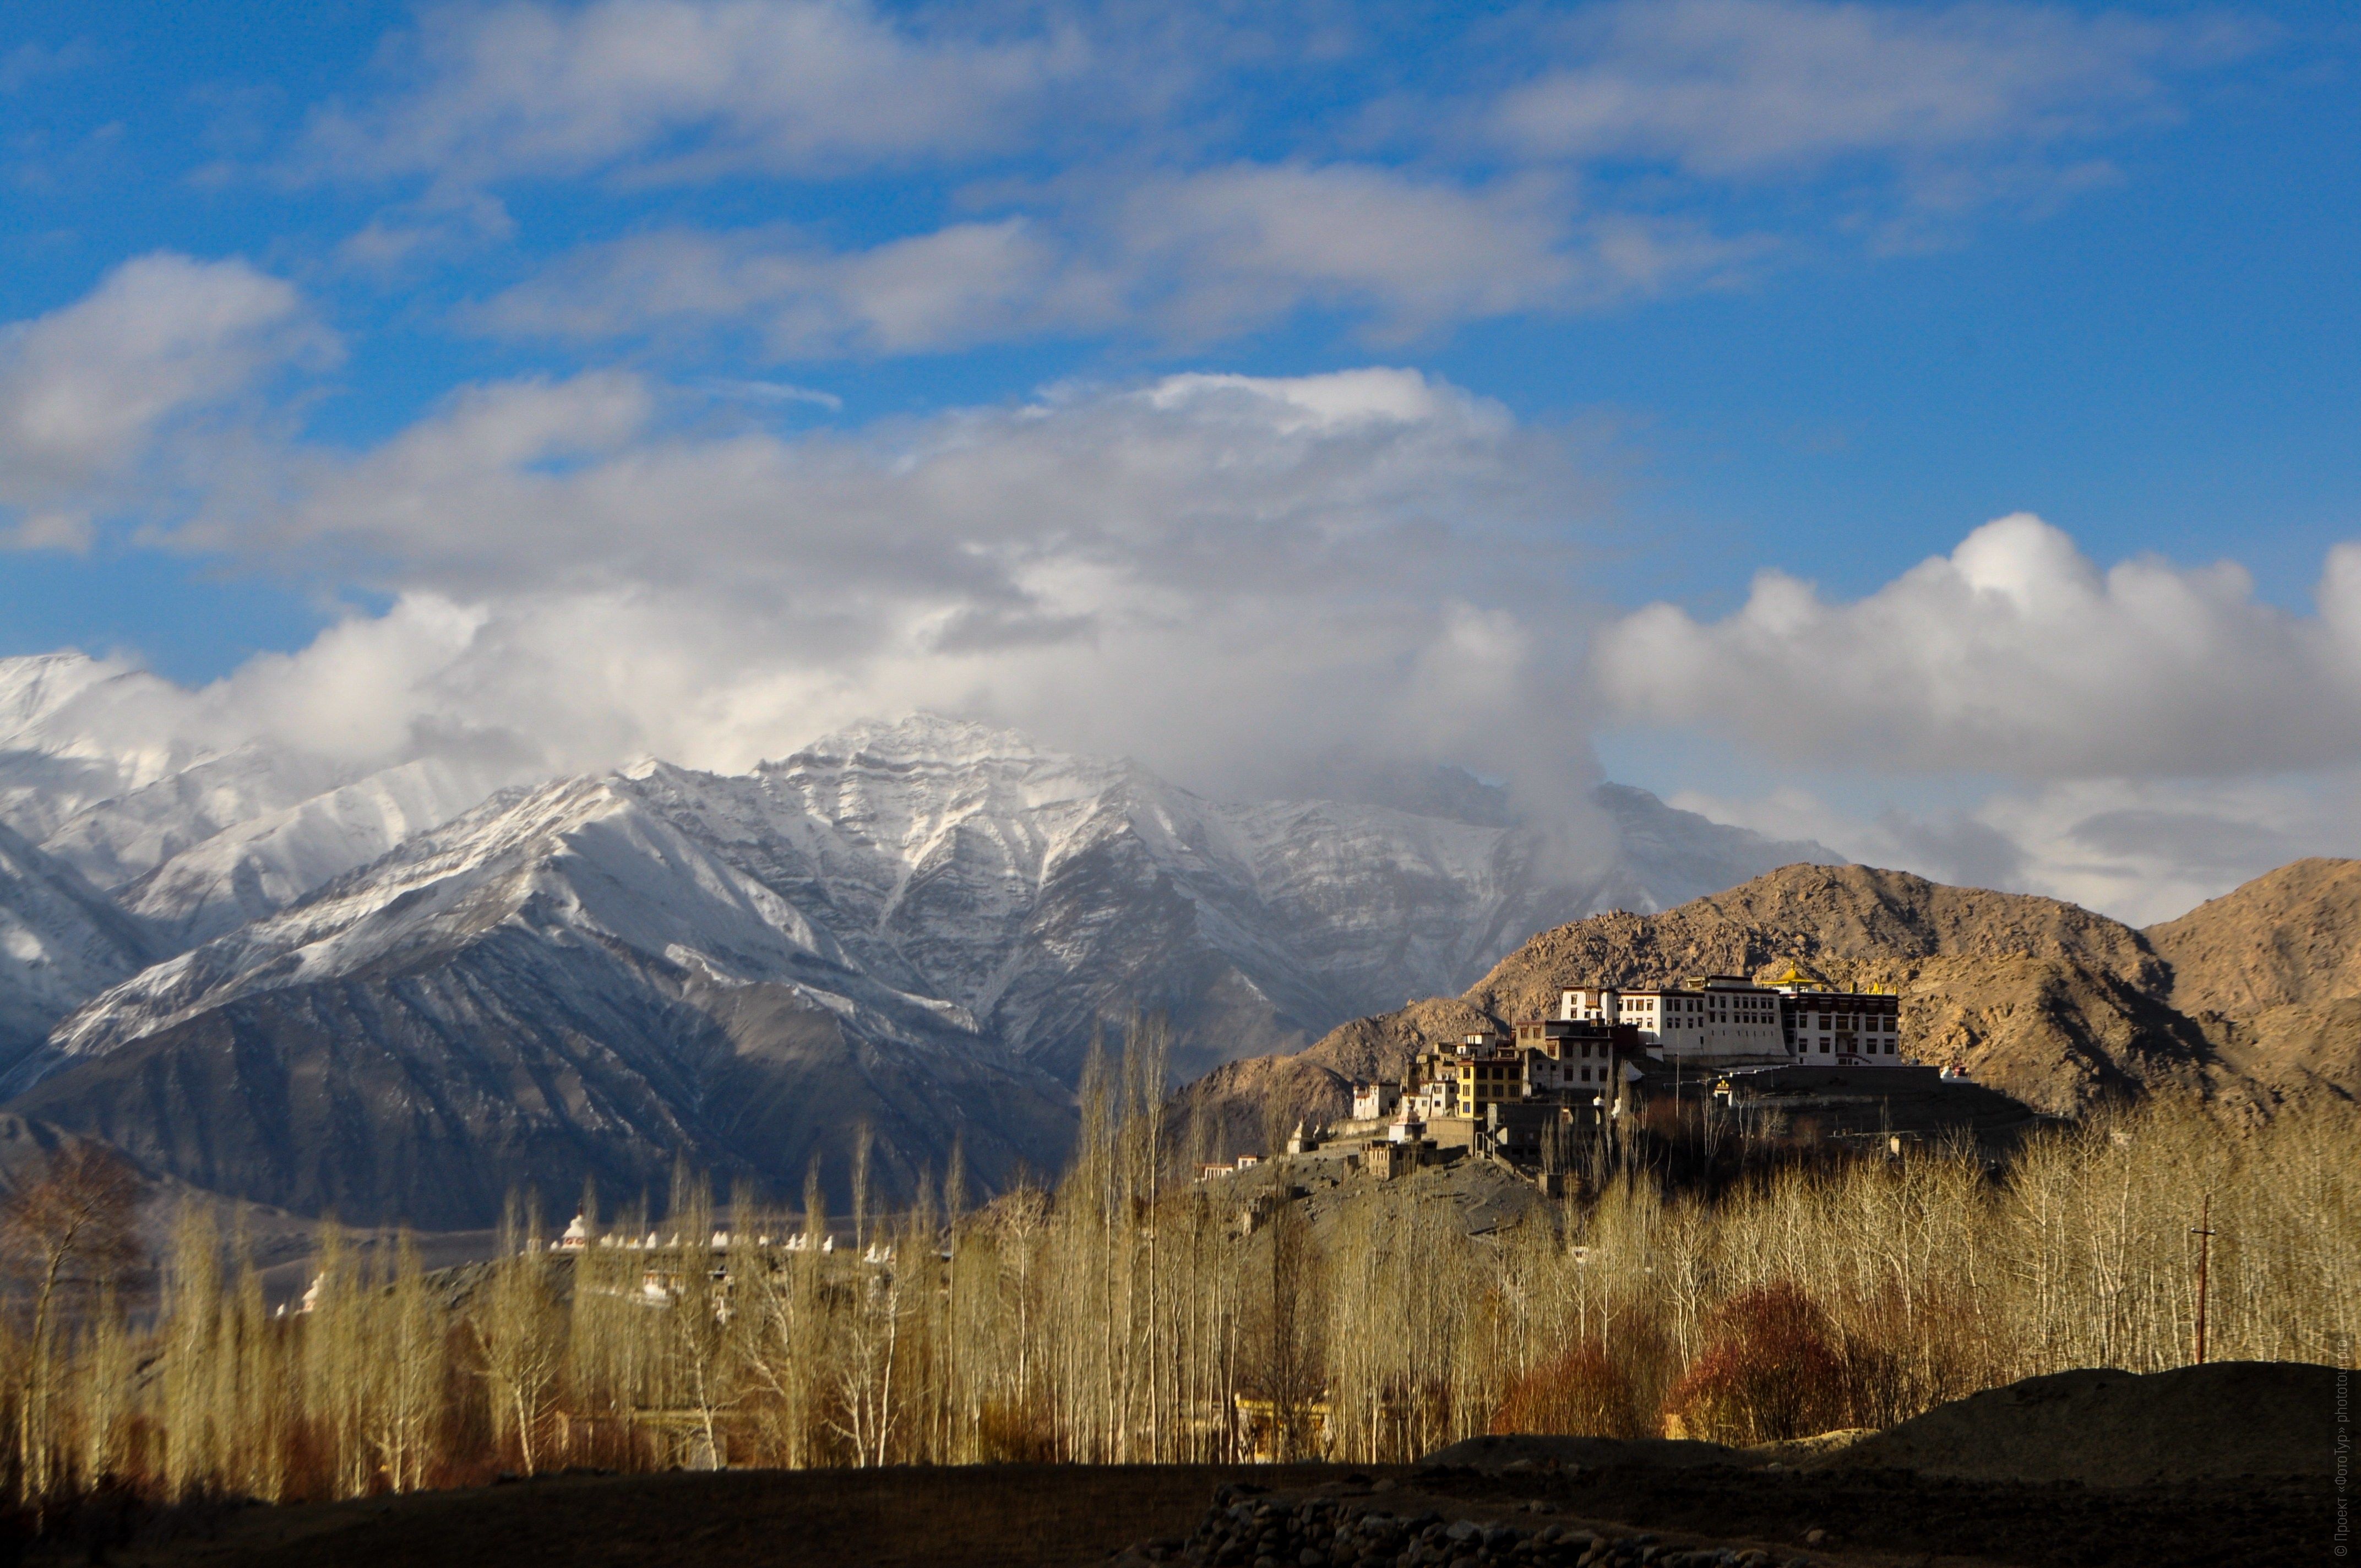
518	1336
68	1234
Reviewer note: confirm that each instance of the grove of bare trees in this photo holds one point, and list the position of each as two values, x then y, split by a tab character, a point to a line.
1124	1317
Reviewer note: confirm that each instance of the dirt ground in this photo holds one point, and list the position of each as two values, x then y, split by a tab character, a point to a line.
1044	1517
990	1517
1894	1515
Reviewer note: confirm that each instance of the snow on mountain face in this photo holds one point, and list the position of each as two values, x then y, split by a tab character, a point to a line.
60	942
123	837
561	983
1043	895
196	841
904	924
1048	893
70	736
262	864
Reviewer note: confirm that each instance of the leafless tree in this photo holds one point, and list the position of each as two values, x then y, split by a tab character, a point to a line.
520	1338
69	1235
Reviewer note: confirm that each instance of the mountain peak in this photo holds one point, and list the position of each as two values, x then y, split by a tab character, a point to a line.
34	686
924	738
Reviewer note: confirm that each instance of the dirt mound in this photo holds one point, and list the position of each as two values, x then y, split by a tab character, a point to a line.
2122	1428
1497	1454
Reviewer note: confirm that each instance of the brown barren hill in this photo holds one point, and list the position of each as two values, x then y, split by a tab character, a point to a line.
2041	999
2271	972
2250	1002
2288	936
1233	1109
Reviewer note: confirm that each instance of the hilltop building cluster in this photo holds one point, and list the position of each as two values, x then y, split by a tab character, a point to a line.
1528	1096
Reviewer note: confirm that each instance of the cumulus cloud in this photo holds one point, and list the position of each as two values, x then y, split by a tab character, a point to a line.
86	390
1218	574
687	88
2140	850
2135	740
2014	655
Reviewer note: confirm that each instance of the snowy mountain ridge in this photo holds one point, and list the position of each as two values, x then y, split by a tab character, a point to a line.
901	923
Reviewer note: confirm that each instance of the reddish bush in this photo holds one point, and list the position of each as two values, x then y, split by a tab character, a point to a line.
1581	1393
1770	1371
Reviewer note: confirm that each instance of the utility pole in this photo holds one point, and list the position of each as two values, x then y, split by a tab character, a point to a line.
2204	1234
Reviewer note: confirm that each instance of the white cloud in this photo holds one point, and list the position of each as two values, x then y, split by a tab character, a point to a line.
86	390
1133	202
1177	258
1219	574
1745	88
1222	249
2148	849
687	88
965	284
2140	850
2014	655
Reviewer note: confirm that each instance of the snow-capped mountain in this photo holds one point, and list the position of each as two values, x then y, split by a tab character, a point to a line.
1047	894
370	997
73	734
61	941
99	770
561	983
260	864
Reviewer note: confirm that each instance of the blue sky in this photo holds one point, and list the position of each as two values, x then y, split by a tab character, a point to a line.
1362	375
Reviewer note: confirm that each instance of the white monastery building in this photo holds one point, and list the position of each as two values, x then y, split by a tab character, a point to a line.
1727	1019
1607	1042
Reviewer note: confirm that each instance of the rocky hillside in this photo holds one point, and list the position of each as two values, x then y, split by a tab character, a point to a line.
2290	938
2251	1001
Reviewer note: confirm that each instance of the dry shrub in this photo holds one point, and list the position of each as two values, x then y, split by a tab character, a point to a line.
1645	1352
1771	1370
1580	1393
1899	1358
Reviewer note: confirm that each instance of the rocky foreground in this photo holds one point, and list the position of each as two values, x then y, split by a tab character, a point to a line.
1323	1532
2231	1463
